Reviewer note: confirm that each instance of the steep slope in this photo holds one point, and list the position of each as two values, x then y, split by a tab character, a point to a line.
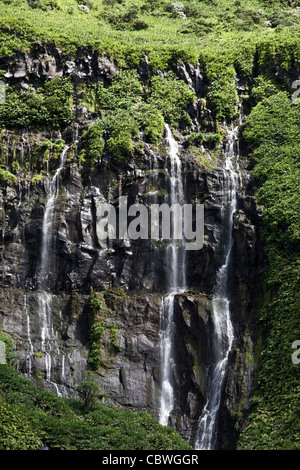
90	108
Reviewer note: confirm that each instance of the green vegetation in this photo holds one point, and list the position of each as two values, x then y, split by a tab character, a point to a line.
95	359
103	333
7	178
256	41
30	418
171	96
88	389
48	106
228	38
125	112
272	131
9	348
36	179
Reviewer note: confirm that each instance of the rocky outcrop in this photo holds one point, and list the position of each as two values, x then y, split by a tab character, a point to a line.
50	62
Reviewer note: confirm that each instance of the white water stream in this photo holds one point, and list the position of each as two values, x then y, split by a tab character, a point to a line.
223	332
29	342
47	228
48	337
177	280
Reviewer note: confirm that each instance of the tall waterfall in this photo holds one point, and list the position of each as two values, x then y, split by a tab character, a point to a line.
175	258
47	239
46	267
223	332
30	346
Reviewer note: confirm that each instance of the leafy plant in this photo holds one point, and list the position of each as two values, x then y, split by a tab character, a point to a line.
48	106
30	418
7	178
96	332
272	134
170	96
88	390
44	4
9	348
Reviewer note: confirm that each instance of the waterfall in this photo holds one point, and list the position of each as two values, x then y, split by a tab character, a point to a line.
30	346
45	309
47	228
166	349
223	332
175	259
46	270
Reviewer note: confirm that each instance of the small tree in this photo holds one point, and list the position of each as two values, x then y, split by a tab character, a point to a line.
88	390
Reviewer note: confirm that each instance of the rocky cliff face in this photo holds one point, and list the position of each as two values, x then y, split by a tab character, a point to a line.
120	286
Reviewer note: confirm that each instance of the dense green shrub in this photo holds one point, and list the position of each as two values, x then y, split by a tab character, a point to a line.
200	26
15	432
92	143
272	132
126	115
30	417
211	140
43	4
125	90
247	14
196	138
171	96
139	24
282	18
9	348
150	121
88	390
7	178
87	3
48	106
121	128
193	9
127	19
263	87
222	96
96	332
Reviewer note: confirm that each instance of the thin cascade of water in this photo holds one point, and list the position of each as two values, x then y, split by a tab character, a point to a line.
166	349
29	342
76	140
206	438
176	255
7	138
45	309
46	266
63	374
175	258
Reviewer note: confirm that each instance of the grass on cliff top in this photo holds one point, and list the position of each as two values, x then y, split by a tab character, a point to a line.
30	418
127	29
